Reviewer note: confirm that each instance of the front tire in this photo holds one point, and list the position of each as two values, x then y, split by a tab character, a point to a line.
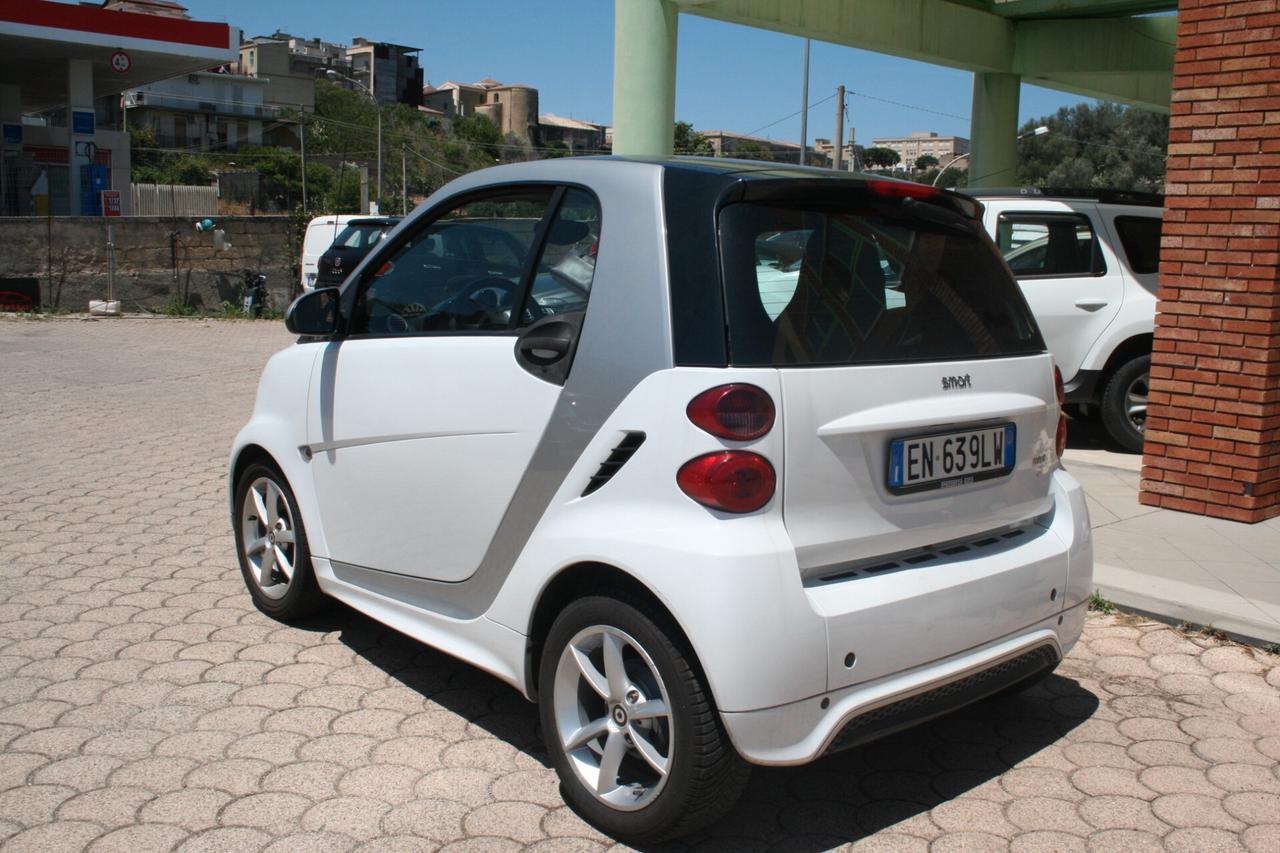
1124	403
630	725
271	542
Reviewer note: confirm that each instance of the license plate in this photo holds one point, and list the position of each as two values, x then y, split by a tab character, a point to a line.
949	459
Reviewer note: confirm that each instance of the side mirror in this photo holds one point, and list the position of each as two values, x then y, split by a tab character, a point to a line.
314	314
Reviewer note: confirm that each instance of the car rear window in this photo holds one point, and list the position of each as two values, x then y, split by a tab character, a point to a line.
360	236
892	281
1140	236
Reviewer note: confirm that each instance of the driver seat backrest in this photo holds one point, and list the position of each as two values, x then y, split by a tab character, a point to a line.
839	297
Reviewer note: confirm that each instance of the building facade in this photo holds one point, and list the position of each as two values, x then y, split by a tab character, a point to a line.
390	71
512	107
580	137
290	67
202	111
726	143
925	142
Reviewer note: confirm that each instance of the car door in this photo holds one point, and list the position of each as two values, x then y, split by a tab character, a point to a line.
1070	277
425	415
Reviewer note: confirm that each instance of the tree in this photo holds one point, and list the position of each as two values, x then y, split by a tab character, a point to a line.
881	158
689	141
751	149
1096	147
925	162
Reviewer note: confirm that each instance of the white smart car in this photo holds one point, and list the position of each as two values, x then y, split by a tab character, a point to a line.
551	426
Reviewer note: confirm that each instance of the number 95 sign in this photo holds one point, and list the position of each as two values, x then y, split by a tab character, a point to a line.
120	62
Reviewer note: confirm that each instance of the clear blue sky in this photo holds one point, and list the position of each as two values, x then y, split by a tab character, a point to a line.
728	77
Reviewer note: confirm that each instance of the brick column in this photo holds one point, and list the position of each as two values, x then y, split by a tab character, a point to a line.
1213	427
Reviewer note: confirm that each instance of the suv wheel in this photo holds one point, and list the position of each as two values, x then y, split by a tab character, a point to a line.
1124	403
630	726
272	544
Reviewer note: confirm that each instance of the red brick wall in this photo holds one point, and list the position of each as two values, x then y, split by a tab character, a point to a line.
1213	428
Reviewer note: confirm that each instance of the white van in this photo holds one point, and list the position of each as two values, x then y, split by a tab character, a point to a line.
321	232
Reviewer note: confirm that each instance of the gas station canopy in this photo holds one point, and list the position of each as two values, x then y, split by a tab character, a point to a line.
126	49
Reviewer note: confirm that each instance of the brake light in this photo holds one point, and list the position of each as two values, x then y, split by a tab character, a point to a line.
1060	444
728	480
903	189
738	412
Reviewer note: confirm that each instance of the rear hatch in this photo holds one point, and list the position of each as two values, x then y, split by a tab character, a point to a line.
917	398
355	241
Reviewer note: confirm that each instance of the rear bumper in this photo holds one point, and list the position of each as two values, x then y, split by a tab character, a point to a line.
804	731
933	639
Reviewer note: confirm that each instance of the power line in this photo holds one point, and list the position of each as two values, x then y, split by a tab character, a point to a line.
792	115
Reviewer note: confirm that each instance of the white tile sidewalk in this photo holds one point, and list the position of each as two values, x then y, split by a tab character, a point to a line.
1176	565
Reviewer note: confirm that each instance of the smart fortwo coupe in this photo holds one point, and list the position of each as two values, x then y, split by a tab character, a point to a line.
585	424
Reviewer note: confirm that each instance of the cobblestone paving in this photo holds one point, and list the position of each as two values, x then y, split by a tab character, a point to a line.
146	706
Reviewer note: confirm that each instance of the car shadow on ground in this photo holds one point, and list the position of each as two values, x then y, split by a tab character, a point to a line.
835	800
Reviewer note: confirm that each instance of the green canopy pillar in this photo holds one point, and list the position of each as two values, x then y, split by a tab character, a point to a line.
644	76
994	130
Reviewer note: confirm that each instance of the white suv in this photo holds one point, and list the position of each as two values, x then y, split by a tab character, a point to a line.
1088	265
720	462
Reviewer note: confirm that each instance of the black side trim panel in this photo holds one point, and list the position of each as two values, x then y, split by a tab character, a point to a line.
887	719
690	200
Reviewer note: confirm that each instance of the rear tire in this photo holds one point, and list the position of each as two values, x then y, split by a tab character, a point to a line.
1124	403
271	542
652	762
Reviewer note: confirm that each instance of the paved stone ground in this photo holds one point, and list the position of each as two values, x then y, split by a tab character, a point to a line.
146	706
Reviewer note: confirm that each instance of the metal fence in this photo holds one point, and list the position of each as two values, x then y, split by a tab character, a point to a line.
172	200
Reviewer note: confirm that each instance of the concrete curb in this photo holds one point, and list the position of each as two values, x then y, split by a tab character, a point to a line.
1177	601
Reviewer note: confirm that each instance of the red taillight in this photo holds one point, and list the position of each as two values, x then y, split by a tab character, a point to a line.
1060	443
903	189
729	480
737	412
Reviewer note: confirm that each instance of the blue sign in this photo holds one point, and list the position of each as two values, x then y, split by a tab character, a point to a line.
13	134
82	122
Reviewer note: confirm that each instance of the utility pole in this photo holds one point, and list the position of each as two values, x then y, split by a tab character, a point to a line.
377	106
404	185
839	138
302	144
804	106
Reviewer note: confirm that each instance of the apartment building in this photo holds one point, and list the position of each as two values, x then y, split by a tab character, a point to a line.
390	71
202	111
512	107
922	142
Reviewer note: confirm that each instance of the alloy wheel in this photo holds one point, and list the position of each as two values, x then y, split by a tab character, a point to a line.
1135	401
613	717
268	534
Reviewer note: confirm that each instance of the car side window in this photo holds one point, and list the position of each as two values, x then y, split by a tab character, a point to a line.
567	265
1140	237
1049	245
459	273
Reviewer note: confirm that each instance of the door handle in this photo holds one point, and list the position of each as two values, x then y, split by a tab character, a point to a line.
1091	304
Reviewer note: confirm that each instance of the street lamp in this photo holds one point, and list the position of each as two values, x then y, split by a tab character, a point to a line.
1039	131
333	75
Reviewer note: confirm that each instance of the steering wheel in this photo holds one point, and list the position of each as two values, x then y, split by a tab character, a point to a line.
497	313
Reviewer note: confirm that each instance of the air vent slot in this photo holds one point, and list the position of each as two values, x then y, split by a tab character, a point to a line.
618	457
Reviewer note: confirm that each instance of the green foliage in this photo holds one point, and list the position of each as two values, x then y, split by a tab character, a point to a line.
1096	147
688	141
926	161
881	158
1100	605
176	308
951	178
750	149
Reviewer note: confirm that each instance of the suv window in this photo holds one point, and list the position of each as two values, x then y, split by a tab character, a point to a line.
1049	245
361	236
460	273
876	283
1140	237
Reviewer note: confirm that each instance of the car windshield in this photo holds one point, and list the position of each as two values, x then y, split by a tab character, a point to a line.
876	282
360	235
